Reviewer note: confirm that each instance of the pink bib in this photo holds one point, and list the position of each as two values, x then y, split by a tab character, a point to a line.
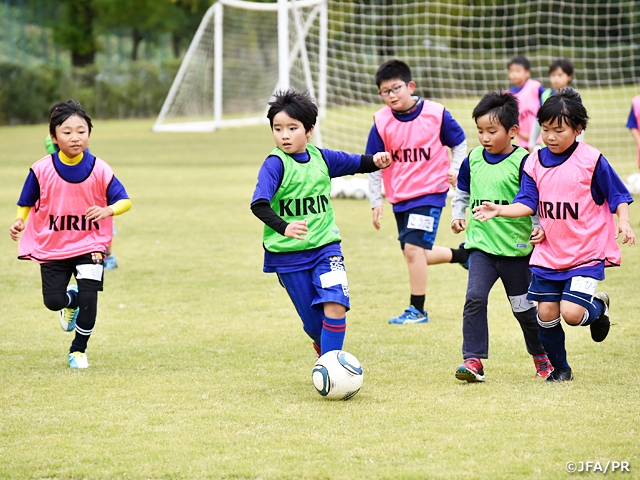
419	160
57	228
578	231
529	104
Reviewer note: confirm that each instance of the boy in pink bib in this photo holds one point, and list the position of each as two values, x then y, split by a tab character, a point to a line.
528	92
633	123
69	199
574	191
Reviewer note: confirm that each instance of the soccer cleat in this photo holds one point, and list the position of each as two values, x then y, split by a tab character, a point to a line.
471	370
410	315
78	360
465	265
317	348
543	365
560	375
68	316
600	327
109	262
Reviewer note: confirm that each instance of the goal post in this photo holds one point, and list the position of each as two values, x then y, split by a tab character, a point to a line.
240	55
458	50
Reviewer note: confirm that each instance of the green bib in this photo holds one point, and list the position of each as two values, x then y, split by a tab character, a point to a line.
497	183
303	195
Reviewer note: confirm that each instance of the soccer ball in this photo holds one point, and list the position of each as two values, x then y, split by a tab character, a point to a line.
633	184
337	375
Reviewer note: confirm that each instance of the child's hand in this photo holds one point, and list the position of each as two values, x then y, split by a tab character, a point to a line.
16	228
625	229
96	213
486	211
382	159
377	215
297	230
452	176
537	236
458	226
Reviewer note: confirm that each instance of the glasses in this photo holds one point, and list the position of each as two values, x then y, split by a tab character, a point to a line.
386	93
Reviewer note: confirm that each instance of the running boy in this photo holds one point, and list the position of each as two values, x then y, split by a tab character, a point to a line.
301	239
560	76
580	230
633	124
499	249
69	198
528	92
417	132
109	261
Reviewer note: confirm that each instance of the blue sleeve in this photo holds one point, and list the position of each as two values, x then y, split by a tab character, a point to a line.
632	122
528	194
464	176
115	191
30	191
269	179
374	142
607	185
451	133
342	163
540	93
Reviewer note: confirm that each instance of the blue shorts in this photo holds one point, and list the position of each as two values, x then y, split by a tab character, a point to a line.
310	289
578	290
418	226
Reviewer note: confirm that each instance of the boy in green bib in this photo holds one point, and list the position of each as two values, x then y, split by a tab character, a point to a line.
492	172
300	237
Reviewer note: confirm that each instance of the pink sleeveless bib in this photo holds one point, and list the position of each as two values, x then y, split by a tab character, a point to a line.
419	160
529	104
636	112
578	231
57	228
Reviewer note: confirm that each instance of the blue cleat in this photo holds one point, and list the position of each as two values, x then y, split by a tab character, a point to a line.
78	360
109	262
410	315
69	316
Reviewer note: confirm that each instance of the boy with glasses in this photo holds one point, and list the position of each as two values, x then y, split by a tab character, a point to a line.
417	133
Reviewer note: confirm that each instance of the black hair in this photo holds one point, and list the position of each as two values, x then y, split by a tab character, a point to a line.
393	70
59	112
502	106
520	60
565	105
563	64
298	105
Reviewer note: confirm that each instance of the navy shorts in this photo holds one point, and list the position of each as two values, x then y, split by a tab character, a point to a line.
579	290
310	289
418	226
88	270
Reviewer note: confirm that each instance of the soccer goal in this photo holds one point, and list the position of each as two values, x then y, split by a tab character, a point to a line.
458	50
241	53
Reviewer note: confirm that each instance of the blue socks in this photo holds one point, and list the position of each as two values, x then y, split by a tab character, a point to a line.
333	332
594	310
551	336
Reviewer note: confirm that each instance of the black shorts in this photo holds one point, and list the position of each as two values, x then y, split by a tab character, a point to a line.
87	269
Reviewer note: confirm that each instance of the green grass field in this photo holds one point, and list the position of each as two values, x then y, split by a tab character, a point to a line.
200	369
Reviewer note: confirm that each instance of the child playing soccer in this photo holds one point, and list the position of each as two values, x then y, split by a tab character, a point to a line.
417	132
65	209
528	92
498	249
109	262
633	124
574	190
300	238
560	76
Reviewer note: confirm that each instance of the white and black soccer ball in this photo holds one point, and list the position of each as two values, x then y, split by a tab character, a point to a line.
337	375
633	184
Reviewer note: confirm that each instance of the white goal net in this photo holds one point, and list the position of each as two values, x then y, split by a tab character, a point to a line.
458	50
